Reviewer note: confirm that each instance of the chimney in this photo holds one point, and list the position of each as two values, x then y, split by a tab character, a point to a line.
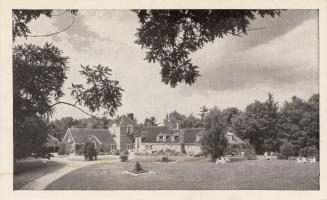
131	116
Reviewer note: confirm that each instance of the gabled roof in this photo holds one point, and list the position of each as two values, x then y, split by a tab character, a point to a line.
232	138
81	135
104	136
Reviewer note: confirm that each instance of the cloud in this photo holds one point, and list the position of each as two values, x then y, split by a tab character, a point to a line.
289	59
78	34
275	27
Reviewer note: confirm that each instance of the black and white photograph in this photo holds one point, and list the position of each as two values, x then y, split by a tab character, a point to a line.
162	99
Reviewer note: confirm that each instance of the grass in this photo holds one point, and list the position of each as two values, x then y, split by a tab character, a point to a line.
26	171
194	173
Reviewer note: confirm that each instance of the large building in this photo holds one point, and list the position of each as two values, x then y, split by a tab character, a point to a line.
125	134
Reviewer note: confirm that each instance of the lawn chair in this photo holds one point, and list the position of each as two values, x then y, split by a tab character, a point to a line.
220	161
313	160
304	160
299	160
266	156
227	159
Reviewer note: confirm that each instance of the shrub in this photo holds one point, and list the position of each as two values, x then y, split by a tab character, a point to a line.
90	152
165	159
138	167
123	157
311	151
287	150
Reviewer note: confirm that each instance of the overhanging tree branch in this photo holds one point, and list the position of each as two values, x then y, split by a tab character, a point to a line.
73	105
51	34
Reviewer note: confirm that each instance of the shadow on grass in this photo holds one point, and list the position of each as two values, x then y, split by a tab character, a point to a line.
26	171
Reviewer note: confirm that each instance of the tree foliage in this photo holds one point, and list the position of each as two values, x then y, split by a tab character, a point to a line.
101	91
28	135
214	141
259	124
203	112
150	121
38	76
299	122
172	35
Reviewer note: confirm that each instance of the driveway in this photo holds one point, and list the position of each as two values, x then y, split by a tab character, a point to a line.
71	164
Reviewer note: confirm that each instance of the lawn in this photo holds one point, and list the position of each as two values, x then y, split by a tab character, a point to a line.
28	170
194	174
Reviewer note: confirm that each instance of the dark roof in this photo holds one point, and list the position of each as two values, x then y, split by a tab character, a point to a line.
190	134
104	136
81	135
150	133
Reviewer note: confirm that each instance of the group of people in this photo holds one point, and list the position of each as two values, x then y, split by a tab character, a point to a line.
269	156
304	160
222	160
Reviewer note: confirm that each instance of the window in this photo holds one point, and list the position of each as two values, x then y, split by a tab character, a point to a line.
159	137
129	146
129	129
165	137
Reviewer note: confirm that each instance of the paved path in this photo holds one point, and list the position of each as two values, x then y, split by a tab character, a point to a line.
42	182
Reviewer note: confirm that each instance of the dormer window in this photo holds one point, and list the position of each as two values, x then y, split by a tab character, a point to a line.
129	129
198	138
159	137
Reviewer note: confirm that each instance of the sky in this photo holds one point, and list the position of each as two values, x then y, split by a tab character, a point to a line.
280	58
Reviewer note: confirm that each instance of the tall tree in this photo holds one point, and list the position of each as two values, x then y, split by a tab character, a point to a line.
203	112
299	122
259	124
214	141
172	35
230	113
